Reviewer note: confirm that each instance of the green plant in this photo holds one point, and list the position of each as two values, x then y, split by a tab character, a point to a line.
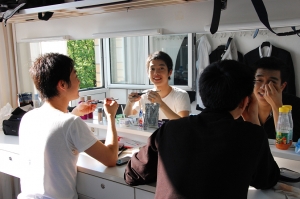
83	54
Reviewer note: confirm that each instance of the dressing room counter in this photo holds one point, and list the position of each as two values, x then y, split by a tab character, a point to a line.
94	179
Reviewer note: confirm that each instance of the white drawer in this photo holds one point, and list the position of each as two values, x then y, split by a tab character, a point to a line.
10	163
141	194
99	188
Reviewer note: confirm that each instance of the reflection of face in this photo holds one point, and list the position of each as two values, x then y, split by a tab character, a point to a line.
264	77
74	85
158	72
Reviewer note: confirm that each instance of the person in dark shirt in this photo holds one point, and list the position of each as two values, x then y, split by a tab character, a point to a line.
270	81
210	155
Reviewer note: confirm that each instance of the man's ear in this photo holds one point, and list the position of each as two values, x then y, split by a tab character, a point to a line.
170	72
283	85
244	103
62	85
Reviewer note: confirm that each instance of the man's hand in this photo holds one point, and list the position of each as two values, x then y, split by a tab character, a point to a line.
273	95
110	107
133	97
154	97
84	108
250	113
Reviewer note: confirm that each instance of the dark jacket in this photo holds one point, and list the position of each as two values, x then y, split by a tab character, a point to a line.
209	155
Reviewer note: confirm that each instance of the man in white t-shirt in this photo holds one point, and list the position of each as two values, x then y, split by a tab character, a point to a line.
51	139
173	102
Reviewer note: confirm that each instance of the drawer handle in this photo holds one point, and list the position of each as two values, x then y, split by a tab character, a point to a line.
10	158
102	186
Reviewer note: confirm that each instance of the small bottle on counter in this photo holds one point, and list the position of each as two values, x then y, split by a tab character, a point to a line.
36	101
283	130
290	120
90	115
100	114
82	99
141	120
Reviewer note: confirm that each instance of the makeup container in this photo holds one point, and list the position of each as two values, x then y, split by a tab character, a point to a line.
90	115
100	114
82	99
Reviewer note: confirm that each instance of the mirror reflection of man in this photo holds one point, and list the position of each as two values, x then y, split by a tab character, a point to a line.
270	81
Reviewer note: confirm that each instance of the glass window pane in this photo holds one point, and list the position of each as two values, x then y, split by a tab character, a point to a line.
177	47
83	52
127	60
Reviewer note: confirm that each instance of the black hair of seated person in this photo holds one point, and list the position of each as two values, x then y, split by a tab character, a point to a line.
47	70
161	56
223	84
272	63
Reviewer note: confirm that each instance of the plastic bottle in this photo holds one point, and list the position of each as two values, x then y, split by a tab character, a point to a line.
141	120
290	120
82	99
36	101
90	115
283	130
100	114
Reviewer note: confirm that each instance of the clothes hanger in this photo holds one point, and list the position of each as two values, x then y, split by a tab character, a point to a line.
265	43
228	43
227	46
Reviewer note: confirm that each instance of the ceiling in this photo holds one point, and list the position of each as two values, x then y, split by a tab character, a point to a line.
70	10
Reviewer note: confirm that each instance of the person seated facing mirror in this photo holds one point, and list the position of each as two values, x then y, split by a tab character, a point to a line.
51	138
270	81
212	154
173	102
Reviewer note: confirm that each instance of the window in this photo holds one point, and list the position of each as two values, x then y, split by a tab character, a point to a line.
126	59
85	53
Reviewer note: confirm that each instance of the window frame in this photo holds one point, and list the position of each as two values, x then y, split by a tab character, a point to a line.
148	85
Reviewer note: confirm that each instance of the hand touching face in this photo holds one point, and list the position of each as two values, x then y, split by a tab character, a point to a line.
268	87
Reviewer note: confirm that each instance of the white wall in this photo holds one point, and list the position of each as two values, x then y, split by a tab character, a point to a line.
184	18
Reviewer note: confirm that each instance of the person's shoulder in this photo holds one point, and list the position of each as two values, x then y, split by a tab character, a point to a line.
184	121
289	99
250	129
178	90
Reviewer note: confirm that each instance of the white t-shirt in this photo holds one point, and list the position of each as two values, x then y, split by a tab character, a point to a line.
50	142
177	100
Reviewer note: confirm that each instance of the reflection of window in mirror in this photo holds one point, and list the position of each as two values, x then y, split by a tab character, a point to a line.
128	57
85	53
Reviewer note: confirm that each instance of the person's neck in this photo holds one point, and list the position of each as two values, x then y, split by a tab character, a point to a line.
264	112
58	103
163	90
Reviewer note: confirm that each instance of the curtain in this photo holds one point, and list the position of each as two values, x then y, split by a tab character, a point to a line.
9	185
8	79
135	59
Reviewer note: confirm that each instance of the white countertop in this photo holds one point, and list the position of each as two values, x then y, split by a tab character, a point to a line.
88	165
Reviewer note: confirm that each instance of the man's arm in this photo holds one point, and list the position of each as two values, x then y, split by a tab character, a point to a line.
132	98
107	153
142	167
181	101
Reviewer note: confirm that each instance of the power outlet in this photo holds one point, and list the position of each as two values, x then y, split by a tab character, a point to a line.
93	129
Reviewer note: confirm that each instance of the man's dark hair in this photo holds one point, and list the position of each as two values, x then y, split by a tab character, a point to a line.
223	84
272	63
161	56
48	70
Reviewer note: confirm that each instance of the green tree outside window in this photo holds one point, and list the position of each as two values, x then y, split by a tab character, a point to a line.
83	54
